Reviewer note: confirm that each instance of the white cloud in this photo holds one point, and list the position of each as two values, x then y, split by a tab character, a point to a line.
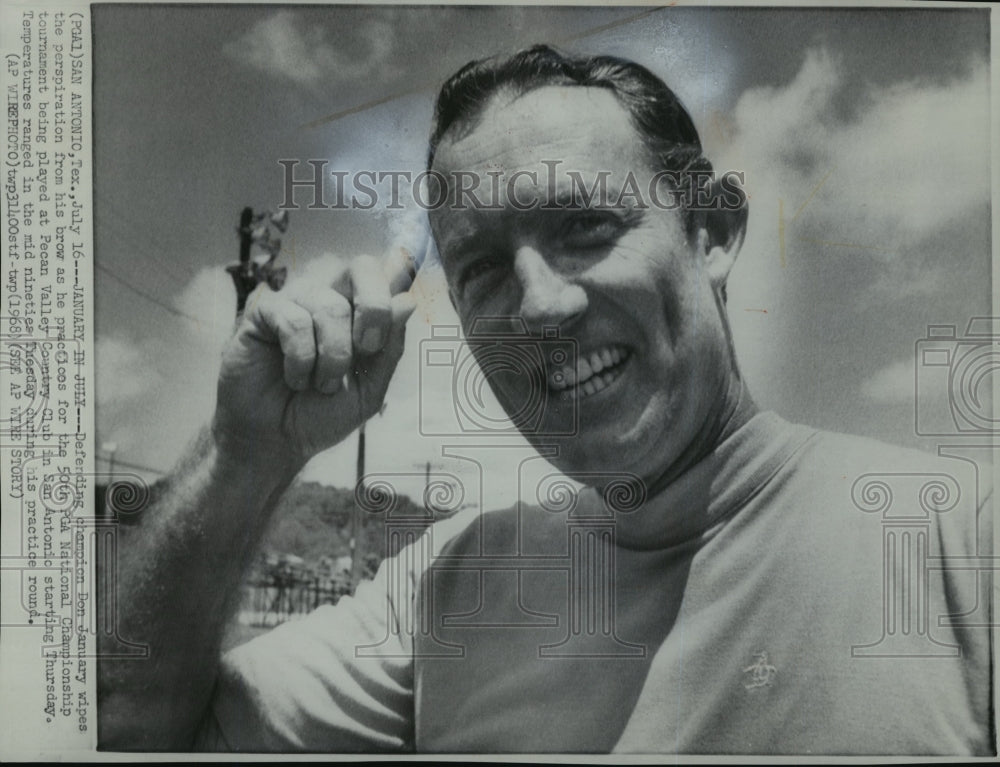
123	371
893	384
914	158
211	298
288	47
165	385
881	193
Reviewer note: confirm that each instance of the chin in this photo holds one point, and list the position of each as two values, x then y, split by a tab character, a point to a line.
585	459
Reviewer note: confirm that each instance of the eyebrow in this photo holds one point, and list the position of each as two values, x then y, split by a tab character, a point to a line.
567	198
572	197
601	196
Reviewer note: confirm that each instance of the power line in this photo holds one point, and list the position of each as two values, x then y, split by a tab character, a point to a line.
129	465
362	107
139	466
134	240
609	25
144	294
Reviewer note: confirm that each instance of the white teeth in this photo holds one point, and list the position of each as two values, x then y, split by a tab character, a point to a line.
586	377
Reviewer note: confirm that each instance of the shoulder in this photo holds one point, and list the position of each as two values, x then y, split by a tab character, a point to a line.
951	489
497	532
863	459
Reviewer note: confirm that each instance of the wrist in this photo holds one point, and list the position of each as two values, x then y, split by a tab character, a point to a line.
270	465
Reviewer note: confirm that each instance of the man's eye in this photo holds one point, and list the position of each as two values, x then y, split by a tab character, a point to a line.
590	230
480	269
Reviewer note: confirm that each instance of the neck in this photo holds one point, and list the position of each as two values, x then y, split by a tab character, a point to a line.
738	408
664	521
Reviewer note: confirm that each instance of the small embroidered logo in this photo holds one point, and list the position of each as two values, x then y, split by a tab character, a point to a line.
761	673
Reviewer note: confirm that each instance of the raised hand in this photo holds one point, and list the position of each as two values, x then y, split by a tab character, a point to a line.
307	365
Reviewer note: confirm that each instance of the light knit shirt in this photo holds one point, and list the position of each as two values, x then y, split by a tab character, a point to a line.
826	594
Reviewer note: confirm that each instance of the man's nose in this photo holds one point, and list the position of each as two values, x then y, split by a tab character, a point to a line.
548	297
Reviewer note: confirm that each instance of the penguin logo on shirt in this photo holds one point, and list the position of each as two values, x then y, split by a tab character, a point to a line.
761	673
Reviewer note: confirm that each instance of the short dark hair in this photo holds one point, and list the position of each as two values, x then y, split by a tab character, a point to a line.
656	112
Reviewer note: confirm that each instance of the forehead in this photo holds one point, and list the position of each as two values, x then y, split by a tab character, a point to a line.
580	127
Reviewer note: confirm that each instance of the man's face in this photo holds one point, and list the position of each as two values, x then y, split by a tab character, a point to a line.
627	283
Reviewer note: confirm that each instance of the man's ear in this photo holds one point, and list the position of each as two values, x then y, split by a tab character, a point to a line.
720	238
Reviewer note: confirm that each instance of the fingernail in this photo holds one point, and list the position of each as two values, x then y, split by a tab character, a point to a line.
330	386
371	340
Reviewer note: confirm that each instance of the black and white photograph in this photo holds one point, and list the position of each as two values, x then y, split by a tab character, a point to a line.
497	380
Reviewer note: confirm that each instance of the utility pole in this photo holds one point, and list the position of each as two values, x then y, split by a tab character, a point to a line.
110	448
357	542
427	485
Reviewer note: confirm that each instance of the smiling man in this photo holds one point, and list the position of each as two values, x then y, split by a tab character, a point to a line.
734	603
640	281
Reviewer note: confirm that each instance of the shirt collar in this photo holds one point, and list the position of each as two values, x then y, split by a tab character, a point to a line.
711	490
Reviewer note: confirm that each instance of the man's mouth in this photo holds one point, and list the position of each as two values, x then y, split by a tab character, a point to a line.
594	372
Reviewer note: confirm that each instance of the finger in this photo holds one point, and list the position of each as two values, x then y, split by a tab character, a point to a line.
372	310
375	372
402	307
292	326
405	255
331	318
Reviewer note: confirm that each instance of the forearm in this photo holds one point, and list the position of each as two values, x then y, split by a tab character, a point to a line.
179	570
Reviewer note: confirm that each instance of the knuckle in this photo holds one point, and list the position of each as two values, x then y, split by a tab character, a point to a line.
336	307
363	263
298	326
323	303
373	309
296	319
334	353
368	275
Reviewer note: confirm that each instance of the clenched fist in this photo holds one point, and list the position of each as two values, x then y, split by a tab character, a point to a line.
307	365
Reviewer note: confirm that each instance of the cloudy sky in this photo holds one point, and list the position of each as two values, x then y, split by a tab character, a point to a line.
863	134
